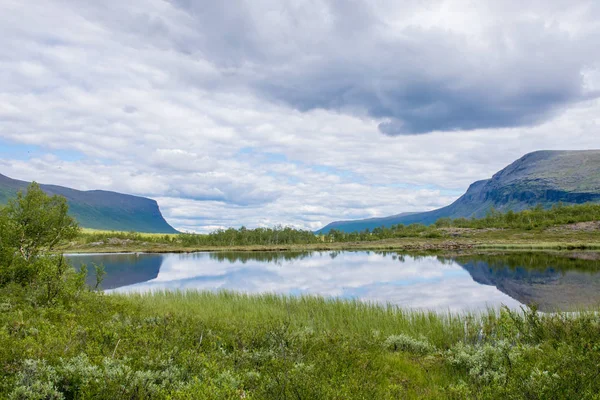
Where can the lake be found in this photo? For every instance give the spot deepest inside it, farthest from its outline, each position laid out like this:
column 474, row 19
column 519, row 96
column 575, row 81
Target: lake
column 553, row 282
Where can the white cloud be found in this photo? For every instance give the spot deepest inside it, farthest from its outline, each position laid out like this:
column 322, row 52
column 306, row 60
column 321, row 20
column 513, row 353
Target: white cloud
column 206, row 118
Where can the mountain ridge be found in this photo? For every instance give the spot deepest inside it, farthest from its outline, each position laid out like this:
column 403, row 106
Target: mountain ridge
column 543, row 177
column 100, row 209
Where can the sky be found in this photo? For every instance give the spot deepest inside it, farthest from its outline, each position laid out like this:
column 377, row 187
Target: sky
column 299, row 113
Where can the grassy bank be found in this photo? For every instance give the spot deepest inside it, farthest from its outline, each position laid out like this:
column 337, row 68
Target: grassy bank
column 561, row 227
column 231, row 346
column 60, row 340
column 560, row 237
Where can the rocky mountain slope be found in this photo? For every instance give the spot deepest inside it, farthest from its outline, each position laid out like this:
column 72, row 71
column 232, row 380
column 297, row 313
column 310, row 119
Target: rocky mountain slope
column 543, row 177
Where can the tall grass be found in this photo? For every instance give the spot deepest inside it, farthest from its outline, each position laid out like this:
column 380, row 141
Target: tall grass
column 203, row 345
column 350, row 316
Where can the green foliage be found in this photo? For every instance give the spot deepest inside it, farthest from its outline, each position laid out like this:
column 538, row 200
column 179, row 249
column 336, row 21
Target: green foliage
column 194, row 345
column 32, row 225
column 225, row 237
column 528, row 220
column 531, row 355
column 243, row 237
column 35, row 222
column 408, row 344
column 535, row 218
column 78, row 377
column 382, row 233
column 198, row 345
column 213, row 346
column 531, row 261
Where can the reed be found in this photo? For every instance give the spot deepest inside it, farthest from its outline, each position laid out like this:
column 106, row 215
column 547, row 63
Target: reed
column 227, row 345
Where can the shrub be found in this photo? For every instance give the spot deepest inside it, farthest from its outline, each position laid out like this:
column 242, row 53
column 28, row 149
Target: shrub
column 30, row 227
column 78, row 377
column 408, row 344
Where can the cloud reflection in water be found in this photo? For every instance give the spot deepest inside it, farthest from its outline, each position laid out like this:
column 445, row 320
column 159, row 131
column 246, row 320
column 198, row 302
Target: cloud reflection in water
column 412, row 282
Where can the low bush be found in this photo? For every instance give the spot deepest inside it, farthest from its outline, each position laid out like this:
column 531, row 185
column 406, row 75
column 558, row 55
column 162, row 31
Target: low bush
column 408, row 344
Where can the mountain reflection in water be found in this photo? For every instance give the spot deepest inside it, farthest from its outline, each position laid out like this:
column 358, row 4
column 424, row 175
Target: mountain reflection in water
column 551, row 281
column 121, row 269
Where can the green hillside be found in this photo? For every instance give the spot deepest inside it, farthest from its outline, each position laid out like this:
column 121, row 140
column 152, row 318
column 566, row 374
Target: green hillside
column 543, row 177
column 99, row 209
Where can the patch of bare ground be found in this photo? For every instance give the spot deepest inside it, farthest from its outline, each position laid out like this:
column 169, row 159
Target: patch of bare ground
column 452, row 231
column 447, row 245
column 590, row 226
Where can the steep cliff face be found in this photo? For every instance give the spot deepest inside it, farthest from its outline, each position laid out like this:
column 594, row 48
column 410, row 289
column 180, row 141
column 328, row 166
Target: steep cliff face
column 543, row 177
column 99, row 209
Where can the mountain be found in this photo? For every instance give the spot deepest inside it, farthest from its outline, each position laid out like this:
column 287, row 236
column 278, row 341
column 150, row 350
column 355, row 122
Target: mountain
column 362, row 224
column 542, row 177
column 99, row 209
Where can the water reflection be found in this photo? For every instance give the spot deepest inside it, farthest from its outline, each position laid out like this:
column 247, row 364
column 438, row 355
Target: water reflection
column 264, row 256
column 428, row 282
column 550, row 281
column 121, row 269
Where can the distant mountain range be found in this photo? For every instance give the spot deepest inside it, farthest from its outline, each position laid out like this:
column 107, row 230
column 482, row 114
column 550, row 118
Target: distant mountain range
column 99, row 209
column 542, row 177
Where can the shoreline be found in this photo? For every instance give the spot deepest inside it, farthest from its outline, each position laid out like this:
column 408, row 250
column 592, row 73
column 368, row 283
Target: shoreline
column 400, row 246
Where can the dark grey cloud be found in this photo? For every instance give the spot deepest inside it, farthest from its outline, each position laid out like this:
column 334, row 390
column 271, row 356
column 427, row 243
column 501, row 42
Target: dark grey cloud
column 347, row 57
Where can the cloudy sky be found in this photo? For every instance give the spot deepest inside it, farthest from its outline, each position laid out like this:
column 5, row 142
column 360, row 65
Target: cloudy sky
column 264, row 112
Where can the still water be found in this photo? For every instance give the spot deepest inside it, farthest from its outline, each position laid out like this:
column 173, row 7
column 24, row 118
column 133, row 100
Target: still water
column 552, row 282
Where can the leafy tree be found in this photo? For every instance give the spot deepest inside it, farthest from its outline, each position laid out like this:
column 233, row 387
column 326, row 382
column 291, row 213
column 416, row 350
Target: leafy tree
column 31, row 226
column 443, row 222
column 38, row 222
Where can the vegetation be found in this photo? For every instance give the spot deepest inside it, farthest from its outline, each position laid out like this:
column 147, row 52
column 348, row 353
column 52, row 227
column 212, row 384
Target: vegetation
column 542, row 177
column 221, row 238
column 30, row 227
column 62, row 340
column 201, row 345
column 534, row 218
column 533, row 261
column 536, row 228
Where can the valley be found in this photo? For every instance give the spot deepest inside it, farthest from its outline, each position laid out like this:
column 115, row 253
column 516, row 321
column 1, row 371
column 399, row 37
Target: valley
column 466, row 306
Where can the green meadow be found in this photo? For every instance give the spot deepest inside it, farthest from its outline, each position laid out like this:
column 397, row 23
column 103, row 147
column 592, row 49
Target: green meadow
column 196, row 345
column 61, row 339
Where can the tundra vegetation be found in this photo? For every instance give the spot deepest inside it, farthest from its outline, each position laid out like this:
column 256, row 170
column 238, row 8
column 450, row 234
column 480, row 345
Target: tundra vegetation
column 556, row 228
column 60, row 339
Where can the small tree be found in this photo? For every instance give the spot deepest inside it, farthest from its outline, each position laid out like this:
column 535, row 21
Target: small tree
column 38, row 222
column 31, row 226
column 443, row 222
